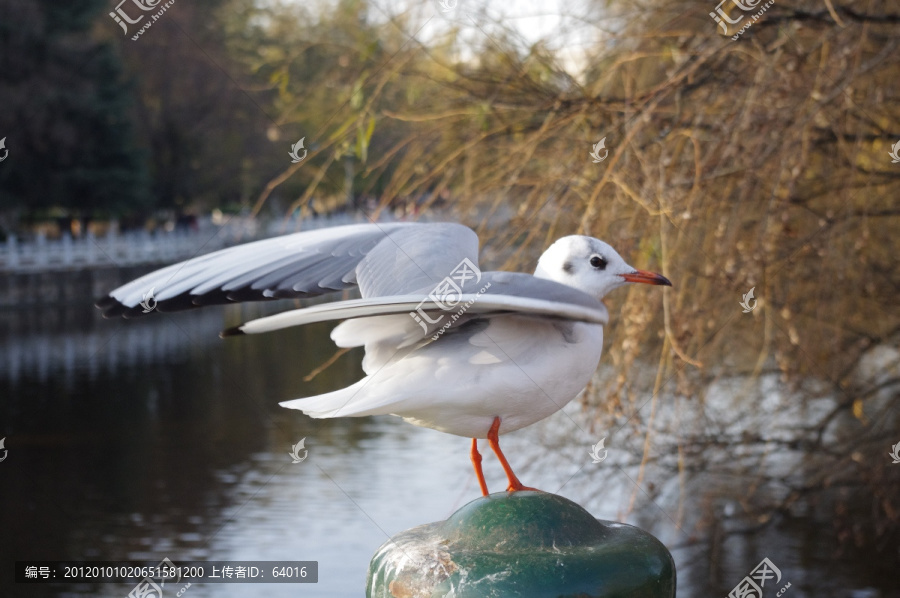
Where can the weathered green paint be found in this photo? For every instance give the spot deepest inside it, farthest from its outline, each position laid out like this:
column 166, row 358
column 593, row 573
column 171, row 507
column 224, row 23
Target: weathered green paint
column 522, row 544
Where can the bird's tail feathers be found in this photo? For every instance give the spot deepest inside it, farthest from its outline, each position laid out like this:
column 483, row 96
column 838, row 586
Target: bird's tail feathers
column 346, row 402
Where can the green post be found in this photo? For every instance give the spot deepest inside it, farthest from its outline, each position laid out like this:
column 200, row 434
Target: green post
column 522, row 544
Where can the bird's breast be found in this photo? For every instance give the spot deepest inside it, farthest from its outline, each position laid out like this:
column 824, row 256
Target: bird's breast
column 544, row 366
column 521, row 369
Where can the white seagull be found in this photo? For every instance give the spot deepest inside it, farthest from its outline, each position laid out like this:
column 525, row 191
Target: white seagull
column 471, row 353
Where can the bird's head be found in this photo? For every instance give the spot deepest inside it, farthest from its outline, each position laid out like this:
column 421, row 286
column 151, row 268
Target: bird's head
column 590, row 265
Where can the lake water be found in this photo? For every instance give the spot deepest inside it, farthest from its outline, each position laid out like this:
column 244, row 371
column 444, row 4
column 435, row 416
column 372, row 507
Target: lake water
column 153, row 438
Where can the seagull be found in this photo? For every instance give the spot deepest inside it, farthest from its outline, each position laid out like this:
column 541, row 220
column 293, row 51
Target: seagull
column 447, row 346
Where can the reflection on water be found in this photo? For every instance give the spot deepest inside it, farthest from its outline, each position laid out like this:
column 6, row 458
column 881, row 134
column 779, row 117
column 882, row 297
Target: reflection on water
column 149, row 438
column 152, row 438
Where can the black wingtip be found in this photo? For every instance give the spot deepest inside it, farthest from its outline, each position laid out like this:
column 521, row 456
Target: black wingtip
column 110, row 307
column 235, row 331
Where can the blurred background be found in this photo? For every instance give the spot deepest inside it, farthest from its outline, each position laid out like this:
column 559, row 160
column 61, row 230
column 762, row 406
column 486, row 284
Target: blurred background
column 749, row 412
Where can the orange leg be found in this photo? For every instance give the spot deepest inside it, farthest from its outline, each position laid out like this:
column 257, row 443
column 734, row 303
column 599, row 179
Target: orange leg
column 476, row 463
column 514, row 484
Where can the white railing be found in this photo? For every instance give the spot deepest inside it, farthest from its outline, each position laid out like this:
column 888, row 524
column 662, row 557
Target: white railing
column 141, row 247
column 126, row 249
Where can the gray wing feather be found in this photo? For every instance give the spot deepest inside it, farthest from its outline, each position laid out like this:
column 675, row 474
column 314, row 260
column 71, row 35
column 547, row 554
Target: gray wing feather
column 412, row 258
column 506, row 293
column 519, row 284
column 384, row 258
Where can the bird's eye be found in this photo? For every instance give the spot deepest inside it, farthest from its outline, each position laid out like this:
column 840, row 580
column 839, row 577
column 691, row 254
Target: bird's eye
column 598, row 262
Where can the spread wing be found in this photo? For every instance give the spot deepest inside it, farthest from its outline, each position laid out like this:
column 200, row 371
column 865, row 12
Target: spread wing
column 500, row 293
column 383, row 259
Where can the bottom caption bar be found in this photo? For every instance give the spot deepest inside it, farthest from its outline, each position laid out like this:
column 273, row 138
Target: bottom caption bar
column 154, row 576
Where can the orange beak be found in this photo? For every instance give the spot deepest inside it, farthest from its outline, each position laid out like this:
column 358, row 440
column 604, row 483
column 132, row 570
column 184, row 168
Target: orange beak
column 647, row 278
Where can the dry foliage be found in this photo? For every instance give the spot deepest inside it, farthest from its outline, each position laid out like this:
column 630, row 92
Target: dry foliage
column 761, row 162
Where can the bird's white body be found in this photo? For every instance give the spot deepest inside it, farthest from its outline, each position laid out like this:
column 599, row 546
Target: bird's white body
column 520, row 369
column 515, row 352
column 558, row 371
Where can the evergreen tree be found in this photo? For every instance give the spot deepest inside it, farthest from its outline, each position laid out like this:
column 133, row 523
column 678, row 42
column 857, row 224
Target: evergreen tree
column 66, row 114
